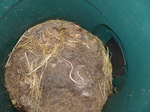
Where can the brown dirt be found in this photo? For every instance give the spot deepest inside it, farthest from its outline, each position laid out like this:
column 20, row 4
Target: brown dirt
column 57, row 66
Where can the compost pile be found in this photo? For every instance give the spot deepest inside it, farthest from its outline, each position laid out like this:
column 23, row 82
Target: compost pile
column 57, row 66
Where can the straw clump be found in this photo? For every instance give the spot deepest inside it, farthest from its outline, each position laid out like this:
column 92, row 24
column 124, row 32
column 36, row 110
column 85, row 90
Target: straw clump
column 57, row 66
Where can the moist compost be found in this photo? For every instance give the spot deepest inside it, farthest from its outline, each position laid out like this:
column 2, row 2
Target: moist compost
column 58, row 66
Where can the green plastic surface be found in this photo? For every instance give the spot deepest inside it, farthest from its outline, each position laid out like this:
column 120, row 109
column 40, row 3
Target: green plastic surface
column 130, row 20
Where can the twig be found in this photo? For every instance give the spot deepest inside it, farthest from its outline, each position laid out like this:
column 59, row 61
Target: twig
column 27, row 61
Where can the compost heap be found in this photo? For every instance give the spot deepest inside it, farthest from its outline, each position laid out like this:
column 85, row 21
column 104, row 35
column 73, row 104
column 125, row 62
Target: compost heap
column 57, row 66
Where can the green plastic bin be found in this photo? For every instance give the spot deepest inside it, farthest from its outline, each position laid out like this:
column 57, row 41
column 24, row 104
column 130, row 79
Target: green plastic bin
column 127, row 21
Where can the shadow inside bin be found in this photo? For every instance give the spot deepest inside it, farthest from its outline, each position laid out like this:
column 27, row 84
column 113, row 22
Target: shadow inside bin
column 117, row 54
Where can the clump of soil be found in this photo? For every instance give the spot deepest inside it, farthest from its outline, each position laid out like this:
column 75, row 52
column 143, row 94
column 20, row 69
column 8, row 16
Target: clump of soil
column 57, row 66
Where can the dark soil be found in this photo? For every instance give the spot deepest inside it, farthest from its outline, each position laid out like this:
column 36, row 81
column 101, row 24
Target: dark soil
column 58, row 67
